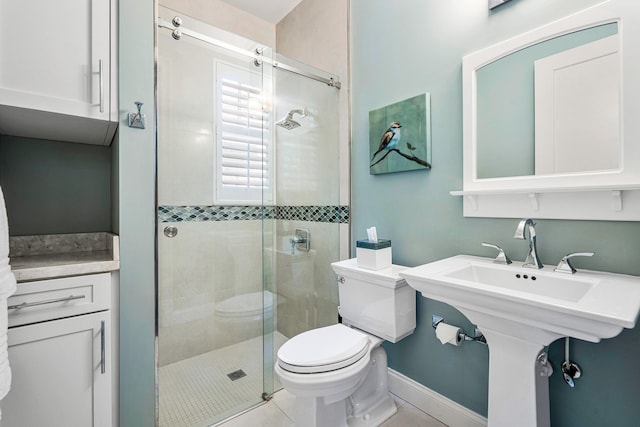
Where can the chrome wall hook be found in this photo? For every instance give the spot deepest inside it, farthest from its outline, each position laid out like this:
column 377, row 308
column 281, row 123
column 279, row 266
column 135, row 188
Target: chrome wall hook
column 137, row 120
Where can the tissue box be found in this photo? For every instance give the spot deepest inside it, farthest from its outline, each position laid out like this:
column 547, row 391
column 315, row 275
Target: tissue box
column 373, row 255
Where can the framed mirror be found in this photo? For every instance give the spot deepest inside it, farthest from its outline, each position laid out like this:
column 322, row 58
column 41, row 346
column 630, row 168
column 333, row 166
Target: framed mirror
column 551, row 122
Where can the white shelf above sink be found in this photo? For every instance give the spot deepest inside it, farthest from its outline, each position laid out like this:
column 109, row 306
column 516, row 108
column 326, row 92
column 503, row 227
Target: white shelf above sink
column 619, row 203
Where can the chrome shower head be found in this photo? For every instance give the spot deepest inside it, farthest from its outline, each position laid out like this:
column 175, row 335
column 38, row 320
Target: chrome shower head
column 288, row 123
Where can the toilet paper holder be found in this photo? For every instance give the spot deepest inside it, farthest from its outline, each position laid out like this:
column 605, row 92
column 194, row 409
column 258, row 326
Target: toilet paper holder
column 477, row 337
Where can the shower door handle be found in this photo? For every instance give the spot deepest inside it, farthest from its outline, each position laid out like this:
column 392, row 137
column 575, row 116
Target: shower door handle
column 170, row 231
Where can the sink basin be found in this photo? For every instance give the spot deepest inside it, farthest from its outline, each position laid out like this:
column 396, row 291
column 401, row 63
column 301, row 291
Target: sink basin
column 522, row 310
column 588, row 305
column 515, row 280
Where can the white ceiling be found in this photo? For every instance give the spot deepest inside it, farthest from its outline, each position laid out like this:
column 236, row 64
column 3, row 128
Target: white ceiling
column 270, row 10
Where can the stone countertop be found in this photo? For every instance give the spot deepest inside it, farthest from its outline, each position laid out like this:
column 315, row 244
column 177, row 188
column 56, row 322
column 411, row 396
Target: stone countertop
column 60, row 255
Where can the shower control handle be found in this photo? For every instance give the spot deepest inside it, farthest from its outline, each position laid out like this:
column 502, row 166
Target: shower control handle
column 302, row 237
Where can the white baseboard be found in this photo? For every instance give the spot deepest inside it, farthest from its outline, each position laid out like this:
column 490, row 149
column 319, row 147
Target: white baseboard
column 439, row 407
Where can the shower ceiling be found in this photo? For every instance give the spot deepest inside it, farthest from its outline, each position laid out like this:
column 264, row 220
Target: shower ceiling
column 271, row 11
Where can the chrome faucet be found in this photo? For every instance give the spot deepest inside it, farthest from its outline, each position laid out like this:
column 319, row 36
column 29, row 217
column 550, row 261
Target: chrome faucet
column 532, row 260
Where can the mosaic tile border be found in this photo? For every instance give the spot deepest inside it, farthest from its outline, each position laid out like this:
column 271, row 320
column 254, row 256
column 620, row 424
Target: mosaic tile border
column 337, row 214
column 331, row 214
column 214, row 213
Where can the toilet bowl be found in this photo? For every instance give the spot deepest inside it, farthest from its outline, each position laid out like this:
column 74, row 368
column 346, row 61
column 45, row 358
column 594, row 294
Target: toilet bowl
column 338, row 373
column 243, row 316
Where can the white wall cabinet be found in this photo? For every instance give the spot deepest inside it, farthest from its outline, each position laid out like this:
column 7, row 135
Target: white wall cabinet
column 57, row 69
column 61, row 366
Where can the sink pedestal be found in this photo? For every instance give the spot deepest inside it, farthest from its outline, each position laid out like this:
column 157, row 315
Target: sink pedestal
column 518, row 388
column 520, row 311
column 518, row 383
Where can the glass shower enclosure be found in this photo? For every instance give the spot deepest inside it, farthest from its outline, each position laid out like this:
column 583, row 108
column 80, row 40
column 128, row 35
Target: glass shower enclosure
column 248, row 216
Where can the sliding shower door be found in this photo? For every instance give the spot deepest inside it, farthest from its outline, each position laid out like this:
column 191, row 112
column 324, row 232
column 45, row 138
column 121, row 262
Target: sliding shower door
column 215, row 186
column 248, row 216
column 302, row 238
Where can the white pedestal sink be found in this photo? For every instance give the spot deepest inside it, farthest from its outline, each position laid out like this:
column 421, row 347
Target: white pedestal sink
column 522, row 310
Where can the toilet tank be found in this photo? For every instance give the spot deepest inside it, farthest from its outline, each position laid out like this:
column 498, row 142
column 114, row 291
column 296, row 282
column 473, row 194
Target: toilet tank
column 376, row 301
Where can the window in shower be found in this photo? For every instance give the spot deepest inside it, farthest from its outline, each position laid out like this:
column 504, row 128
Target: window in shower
column 243, row 146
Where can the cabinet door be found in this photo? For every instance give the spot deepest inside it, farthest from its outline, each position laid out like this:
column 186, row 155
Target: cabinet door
column 54, row 56
column 61, row 375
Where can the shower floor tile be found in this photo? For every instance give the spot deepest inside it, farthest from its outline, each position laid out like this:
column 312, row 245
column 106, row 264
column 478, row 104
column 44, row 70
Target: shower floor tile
column 197, row 392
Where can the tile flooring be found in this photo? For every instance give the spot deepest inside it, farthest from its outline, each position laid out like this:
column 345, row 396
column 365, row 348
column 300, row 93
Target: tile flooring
column 196, row 392
column 279, row 413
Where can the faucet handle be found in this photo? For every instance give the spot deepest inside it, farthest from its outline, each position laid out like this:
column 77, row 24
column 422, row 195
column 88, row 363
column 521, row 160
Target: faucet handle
column 502, row 257
column 564, row 266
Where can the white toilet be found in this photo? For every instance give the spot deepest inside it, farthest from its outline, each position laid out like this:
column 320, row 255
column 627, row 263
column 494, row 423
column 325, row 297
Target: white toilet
column 338, row 373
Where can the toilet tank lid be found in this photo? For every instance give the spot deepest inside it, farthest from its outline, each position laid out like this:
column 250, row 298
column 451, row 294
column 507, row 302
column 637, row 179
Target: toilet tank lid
column 387, row 277
column 323, row 346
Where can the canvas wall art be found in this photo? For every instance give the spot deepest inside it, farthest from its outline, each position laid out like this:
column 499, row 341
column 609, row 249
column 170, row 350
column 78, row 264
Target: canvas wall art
column 400, row 136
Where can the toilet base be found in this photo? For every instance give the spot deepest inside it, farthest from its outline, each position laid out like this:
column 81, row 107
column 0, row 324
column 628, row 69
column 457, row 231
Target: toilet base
column 371, row 404
column 376, row 415
column 368, row 404
column 316, row 413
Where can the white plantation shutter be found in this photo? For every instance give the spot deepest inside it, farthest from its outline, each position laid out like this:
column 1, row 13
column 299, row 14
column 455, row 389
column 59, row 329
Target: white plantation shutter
column 243, row 146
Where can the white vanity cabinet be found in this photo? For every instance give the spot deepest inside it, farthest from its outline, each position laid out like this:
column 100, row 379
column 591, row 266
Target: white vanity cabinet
column 60, row 353
column 57, row 69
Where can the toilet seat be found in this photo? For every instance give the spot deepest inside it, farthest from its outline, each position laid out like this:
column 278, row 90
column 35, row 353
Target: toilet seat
column 323, row 350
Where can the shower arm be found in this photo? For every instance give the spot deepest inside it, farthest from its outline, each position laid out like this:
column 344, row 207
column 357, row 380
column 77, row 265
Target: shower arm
column 302, row 113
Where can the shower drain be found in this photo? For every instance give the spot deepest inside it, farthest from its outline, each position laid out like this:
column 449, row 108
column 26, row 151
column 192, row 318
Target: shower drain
column 236, row 375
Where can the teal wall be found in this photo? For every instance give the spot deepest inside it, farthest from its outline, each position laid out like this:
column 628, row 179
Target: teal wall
column 134, row 208
column 404, row 48
column 55, row 187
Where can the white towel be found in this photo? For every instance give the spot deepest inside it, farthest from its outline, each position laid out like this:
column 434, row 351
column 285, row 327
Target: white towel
column 4, row 229
column 7, row 288
column 7, row 279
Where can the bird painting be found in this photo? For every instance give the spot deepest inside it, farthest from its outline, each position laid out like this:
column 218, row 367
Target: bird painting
column 401, row 147
column 389, row 139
